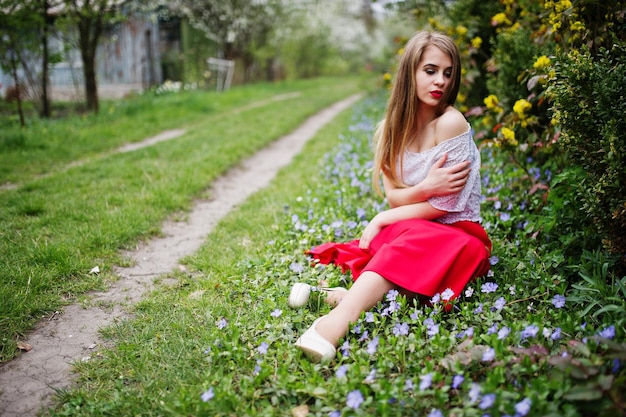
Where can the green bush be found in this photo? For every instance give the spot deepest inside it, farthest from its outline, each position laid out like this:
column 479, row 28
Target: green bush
column 588, row 102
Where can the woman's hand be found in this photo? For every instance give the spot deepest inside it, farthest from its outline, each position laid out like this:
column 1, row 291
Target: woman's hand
column 448, row 180
column 371, row 230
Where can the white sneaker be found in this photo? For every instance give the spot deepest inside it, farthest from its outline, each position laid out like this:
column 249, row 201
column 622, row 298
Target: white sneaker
column 301, row 292
column 314, row 346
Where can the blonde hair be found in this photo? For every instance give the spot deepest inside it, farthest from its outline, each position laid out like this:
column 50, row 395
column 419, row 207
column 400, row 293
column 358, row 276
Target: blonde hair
column 393, row 133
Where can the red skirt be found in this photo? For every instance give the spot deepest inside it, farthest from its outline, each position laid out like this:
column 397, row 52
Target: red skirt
column 421, row 256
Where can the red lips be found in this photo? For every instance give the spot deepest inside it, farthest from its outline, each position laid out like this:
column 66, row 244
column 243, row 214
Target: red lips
column 436, row 94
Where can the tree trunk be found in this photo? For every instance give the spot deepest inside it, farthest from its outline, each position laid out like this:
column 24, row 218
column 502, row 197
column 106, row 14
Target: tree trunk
column 16, row 80
column 89, row 34
column 45, row 105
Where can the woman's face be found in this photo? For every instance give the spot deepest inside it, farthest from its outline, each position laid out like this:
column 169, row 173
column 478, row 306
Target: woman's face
column 433, row 76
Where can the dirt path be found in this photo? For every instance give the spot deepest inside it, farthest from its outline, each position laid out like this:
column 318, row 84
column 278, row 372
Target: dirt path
column 28, row 383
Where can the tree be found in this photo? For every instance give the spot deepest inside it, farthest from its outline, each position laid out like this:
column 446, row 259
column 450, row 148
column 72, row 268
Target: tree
column 17, row 43
column 237, row 26
column 90, row 18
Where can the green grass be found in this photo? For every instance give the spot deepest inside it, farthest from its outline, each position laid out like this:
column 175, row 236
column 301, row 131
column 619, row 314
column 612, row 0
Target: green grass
column 55, row 228
column 224, row 329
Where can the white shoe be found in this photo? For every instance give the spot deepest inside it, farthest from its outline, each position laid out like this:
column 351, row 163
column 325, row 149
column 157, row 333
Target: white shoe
column 299, row 295
column 314, row 346
column 301, row 292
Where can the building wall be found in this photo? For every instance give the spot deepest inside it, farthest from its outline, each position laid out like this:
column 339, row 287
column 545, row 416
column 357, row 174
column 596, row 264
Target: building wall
column 128, row 59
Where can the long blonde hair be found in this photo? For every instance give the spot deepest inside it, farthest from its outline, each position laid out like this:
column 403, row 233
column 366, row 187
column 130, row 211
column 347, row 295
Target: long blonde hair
column 394, row 132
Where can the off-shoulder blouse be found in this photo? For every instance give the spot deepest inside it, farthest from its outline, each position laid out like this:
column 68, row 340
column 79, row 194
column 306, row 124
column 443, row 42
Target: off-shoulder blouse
column 463, row 205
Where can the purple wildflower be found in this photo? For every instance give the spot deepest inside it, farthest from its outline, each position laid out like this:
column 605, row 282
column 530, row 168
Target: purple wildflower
column 487, row 401
column 607, row 332
column 276, row 313
column 392, row 294
column 447, row 294
column 296, row 267
column 207, row 395
column 558, row 301
column 529, row 331
column 425, row 381
column 341, row 371
column 488, row 287
column 499, row 304
column 494, row 260
column 556, row 334
column 489, row 355
column 523, row 407
column 503, row 333
column 408, row 385
column 457, row 380
column 355, row 399
column 262, row 349
column 372, row 346
column 435, row 413
column 221, row 323
column 401, row 329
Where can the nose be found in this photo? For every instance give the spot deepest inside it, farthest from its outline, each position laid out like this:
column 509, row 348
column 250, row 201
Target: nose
column 439, row 79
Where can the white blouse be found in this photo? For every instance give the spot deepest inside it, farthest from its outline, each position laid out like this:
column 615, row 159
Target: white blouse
column 464, row 205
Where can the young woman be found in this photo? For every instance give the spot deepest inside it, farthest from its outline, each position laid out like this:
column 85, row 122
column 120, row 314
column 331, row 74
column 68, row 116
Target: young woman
column 430, row 239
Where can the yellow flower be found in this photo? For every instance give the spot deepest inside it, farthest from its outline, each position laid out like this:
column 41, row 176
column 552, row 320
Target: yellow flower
column 577, row 26
column 500, row 19
column 521, row 107
column 461, row 30
column 541, row 63
column 387, row 76
column 491, row 101
column 477, row 42
column 509, row 136
column 400, row 52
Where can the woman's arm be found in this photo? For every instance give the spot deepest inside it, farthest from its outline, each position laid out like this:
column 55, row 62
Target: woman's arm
column 439, row 181
column 421, row 210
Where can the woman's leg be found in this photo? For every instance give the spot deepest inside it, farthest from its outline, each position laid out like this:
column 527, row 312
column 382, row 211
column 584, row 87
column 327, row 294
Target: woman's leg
column 364, row 294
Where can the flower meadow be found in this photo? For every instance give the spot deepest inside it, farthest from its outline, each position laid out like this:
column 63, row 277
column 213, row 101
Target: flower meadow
column 512, row 344
column 218, row 340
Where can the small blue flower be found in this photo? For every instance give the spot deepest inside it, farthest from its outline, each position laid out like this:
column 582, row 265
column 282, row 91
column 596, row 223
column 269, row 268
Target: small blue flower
column 556, row 334
column 425, row 381
column 262, row 349
column 436, row 298
column 369, row 317
column 341, row 371
column 401, row 329
column 435, row 413
column 372, row 346
column 607, row 332
column 355, row 399
column 457, row 380
column 529, row 331
column 408, row 385
column 505, row 217
column 447, row 294
column 433, row 330
column 499, row 304
column 523, row 407
column 474, row 392
column 478, row 309
column 503, row 333
column 492, row 329
column 558, row 301
column 335, row 413
column 487, row 401
column 494, row 260
column 296, row 267
column 392, row 294
column 371, row 377
column 221, row 323
column 489, row 355
column 207, row 395
column 276, row 313
column 488, row 287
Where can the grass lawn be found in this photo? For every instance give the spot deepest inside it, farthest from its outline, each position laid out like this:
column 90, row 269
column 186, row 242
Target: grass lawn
column 219, row 342
column 62, row 220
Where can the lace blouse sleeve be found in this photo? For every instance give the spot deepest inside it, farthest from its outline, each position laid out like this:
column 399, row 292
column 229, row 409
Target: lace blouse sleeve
column 461, row 149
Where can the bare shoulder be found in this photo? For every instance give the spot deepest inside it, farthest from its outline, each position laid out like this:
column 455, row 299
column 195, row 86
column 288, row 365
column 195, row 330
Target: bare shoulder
column 450, row 124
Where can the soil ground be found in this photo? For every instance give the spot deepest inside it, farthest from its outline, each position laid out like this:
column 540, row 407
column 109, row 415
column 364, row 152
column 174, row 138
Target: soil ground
column 28, row 383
